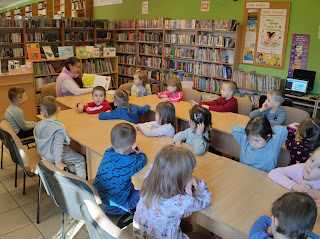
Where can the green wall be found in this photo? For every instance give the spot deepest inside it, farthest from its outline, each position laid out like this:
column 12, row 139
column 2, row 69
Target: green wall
column 19, row 5
column 304, row 19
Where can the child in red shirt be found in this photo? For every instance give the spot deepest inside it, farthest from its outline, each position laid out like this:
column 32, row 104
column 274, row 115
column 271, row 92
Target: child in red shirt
column 226, row 103
column 99, row 104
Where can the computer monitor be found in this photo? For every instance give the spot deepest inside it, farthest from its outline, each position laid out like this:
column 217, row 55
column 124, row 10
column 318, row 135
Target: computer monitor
column 296, row 85
column 305, row 75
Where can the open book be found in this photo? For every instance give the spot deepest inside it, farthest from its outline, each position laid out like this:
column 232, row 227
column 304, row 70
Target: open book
column 91, row 80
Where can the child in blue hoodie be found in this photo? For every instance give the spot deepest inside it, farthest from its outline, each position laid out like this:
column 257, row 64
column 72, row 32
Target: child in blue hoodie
column 124, row 110
column 53, row 141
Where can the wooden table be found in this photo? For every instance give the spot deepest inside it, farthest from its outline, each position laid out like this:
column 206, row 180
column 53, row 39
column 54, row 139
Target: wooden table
column 241, row 194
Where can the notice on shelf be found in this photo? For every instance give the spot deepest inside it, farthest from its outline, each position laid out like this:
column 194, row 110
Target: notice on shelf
column 97, row 3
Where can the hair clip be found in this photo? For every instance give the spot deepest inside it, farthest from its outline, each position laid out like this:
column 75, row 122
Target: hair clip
column 197, row 117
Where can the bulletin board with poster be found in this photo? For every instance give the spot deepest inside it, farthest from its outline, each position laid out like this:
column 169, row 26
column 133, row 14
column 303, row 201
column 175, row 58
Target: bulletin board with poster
column 265, row 39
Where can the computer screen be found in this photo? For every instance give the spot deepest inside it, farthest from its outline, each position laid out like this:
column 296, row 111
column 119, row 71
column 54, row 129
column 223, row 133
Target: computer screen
column 305, row 75
column 296, row 85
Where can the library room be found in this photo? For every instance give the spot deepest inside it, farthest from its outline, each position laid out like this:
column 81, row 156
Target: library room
column 99, row 96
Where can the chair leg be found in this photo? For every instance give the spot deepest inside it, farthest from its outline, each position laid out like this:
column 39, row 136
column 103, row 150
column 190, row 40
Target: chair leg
column 2, row 156
column 16, row 176
column 38, row 208
column 24, row 184
column 63, row 225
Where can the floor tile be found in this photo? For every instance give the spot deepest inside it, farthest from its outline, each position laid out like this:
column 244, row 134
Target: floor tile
column 9, row 183
column 13, row 220
column 47, row 209
column 9, row 172
column 51, row 227
column 82, row 234
column 30, row 196
column 7, row 203
column 21, row 233
column 3, row 189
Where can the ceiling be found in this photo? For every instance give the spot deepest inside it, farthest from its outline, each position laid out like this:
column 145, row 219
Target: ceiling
column 8, row 3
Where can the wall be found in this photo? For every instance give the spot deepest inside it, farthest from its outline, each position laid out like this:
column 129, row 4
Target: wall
column 20, row 5
column 303, row 20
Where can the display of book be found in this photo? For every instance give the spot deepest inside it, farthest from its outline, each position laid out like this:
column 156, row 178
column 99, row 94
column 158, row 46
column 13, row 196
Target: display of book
column 33, row 51
column 65, row 51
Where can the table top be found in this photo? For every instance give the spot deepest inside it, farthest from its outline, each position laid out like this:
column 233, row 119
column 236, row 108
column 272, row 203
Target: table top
column 241, row 194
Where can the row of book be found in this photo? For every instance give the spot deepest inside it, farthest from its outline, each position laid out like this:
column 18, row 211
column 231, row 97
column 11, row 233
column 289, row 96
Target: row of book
column 154, row 62
column 123, row 59
column 15, row 23
column 42, row 22
column 41, row 81
column 150, row 36
column 12, row 52
column 180, row 24
column 124, row 80
column 126, row 48
column 125, row 36
column 254, row 98
column 150, row 49
column 215, row 55
column 93, row 66
column 224, row 25
column 155, row 75
column 79, row 36
column 210, row 39
column 43, row 36
column 41, row 68
column 125, row 70
column 207, row 84
column 78, row 5
column 213, row 70
column 104, row 35
column 181, row 76
column 156, row 23
column 104, row 24
column 257, row 82
column 178, row 66
column 125, row 25
column 10, row 38
column 42, row 12
column 79, row 22
column 176, row 38
column 179, row 52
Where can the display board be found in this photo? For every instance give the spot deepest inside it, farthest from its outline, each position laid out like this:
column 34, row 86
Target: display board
column 264, row 38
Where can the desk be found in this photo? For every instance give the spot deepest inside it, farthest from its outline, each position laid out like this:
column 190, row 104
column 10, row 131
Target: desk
column 241, row 195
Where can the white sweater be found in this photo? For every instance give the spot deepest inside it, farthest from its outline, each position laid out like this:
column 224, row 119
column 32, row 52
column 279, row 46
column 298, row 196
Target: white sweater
column 161, row 130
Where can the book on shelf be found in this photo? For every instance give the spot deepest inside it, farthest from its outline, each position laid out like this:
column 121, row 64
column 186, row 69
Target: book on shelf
column 43, row 68
column 96, row 52
column 254, row 98
column 12, row 52
column 127, row 48
column 181, row 76
column 126, row 70
column 48, row 52
column 91, row 80
column 213, row 70
column 179, row 38
column 150, row 36
column 208, row 84
column 81, row 51
column 210, row 39
column 65, row 51
column 14, row 23
column 155, row 23
column 123, row 80
column 78, row 22
column 179, row 52
column 109, row 51
column 43, row 37
column 180, row 24
column 42, row 22
column 148, row 49
column 90, row 51
column 178, row 65
column 41, row 81
column 125, row 36
column 78, row 36
column 127, row 59
column 10, row 38
column 149, row 61
column 96, row 65
column 218, row 25
column 125, row 24
column 33, row 51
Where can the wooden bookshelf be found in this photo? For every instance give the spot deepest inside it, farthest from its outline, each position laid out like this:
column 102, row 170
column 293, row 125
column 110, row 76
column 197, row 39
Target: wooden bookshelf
column 45, row 8
column 62, row 8
column 82, row 8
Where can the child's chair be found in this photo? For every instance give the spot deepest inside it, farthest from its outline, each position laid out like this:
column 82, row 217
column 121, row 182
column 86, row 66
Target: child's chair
column 295, row 115
column 49, row 90
column 126, row 86
column 190, row 94
column 244, row 106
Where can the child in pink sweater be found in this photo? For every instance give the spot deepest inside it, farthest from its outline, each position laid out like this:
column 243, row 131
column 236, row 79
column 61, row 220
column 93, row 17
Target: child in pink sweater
column 303, row 177
column 174, row 93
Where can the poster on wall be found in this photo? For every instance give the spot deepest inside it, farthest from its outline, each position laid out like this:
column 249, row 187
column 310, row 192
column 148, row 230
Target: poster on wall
column 250, row 39
column 271, row 36
column 205, row 4
column 299, row 52
column 97, row 3
column 145, row 7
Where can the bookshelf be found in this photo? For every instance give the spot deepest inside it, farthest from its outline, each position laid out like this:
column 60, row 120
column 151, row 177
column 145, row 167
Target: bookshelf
column 79, row 31
column 47, row 71
column 19, row 12
column 45, row 8
column 61, row 8
column 82, row 8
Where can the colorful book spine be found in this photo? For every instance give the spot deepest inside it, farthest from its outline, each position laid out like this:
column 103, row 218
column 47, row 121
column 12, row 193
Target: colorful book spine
column 218, row 25
column 41, row 81
column 150, row 49
column 178, row 66
column 125, row 36
column 181, row 76
column 125, row 70
column 209, row 39
column 94, row 66
column 126, row 48
column 124, row 59
column 155, row 23
column 178, row 38
column 150, row 37
column 179, row 52
column 208, row 84
column 147, row 61
column 180, row 24
column 213, row 70
column 125, row 25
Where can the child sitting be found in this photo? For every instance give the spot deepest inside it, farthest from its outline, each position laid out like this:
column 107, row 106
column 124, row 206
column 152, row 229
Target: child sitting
column 293, row 217
column 271, row 108
column 15, row 116
column 53, row 141
column 119, row 164
column 303, row 177
column 302, row 140
column 169, row 193
column 259, row 149
column 124, row 110
column 174, row 93
column 198, row 134
column 99, row 104
column 226, row 103
column 164, row 124
column 140, row 87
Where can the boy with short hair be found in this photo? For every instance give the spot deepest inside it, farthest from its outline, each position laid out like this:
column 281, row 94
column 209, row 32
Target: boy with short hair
column 99, row 104
column 293, row 217
column 272, row 109
column 226, row 103
column 119, row 164
column 53, row 141
column 15, row 116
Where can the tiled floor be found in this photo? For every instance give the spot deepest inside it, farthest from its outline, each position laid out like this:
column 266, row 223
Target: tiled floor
column 18, row 212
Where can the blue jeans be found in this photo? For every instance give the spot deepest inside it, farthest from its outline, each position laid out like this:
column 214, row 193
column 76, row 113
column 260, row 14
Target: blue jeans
column 130, row 204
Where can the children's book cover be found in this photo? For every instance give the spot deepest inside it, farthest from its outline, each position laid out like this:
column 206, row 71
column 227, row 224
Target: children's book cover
column 90, row 51
column 65, row 51
column 109, row 51
column 34, row 51
column 91, row 80
column 96, row 52
column 48, row 51
column 81, row 51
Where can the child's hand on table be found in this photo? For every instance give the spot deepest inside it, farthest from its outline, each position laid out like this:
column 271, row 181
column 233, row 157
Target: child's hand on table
column 192, row 183
column 80, row 108
column 193, row 103
column 301, row 187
